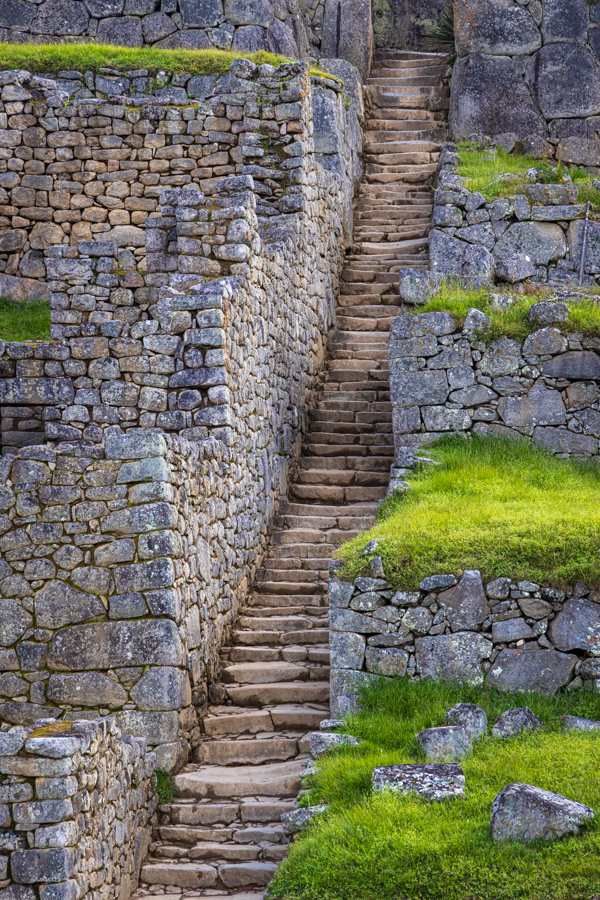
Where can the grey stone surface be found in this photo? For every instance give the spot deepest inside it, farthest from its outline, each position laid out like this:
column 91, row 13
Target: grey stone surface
column 466, row 604
column 453, row 657
column 348, row 32
column 321, row 742
column 565, row 80
column 344, row 686
column 546, row 671
column 86, row 689
column 108, row 644
column 577, row 627
column 432, row 781
column 299, row 819
column 540, row 407
column 514, row 721
column 58, row 604
column 498, row 28
column 577, row 365
column 522, row 812
column 449, row 742
column 386, row 661
column 577, row 723
column 541, row 241
column 469, row 716
column 419, row 388
column 347, row 650
column 547, row 313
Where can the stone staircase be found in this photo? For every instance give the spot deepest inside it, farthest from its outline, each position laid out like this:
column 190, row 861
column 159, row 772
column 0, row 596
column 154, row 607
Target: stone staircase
column 222, row 835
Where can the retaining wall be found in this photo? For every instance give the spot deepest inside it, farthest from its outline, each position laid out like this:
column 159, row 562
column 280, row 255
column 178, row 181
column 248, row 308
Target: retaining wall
column 529, row 68
column 456, row 628
column 77, row 803
column 185, row 352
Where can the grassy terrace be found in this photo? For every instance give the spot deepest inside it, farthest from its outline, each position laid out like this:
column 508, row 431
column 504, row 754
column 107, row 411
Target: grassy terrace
column 506, row 508
column 513, row 321
column 24, row 321
column 55, row 58
column 389, row 847
column 483, row 169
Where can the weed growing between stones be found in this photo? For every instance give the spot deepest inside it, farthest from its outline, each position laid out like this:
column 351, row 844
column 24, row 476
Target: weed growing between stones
column 24, row 321
column 509, row 312
column 165, row 789
column 384, row 846
column 504, row 507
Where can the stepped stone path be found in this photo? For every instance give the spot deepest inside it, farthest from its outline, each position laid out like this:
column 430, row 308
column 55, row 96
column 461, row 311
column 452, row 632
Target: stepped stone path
column 222, row 835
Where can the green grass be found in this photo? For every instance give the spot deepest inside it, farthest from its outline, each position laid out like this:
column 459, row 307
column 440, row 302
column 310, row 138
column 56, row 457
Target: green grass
column 24, row 321
column 513, row 322
column 482, row 170
column 165, row 787
column 391, row 847
column 504, row 507
column 54, row 58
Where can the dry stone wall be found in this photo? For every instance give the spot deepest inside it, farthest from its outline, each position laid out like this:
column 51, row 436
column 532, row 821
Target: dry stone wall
column 185, row 348
column 443, row 379
column 531, row 68
column 77, row 802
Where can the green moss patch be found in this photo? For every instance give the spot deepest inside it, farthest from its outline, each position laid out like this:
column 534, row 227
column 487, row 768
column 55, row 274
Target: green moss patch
column 513, row 321
column 391, row 847
column 504, row 507
column 24, row 321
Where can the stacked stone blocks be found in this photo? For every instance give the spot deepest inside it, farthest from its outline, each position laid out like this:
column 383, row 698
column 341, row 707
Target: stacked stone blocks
column 76, row 803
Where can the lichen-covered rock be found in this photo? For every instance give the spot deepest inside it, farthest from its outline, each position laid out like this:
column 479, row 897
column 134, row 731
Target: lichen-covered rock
column 466, row 604
column 547, row 313
column 497, row 27
column 453, row 657
column 445, row 743
column 565, row 80
column 546, row 671
column 577, row 627
column 299, row 819
column 522, row 812
column 432, row 781
column 321, row 742
column 514, row 721
column 469, row 716
column 577, row 723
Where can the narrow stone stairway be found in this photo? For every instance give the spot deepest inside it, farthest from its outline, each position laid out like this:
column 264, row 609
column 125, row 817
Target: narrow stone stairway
column 222, row 835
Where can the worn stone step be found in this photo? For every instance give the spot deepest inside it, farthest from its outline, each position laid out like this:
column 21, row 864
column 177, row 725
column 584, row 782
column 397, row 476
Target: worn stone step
column 280, row 780
column 246, row 752
column 263, row 672
column 283, row 692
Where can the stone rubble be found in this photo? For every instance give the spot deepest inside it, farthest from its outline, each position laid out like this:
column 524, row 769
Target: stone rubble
column 521, row 812
column 448, row 742
column 432, row 781
column 514, row 722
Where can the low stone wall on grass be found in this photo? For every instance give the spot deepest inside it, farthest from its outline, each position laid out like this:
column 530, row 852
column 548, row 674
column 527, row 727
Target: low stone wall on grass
column 456, row 628
column 443, row 379
column 77, row 803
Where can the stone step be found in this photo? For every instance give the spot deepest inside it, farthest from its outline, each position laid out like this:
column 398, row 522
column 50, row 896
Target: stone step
column 263, row 672
column 279, row 780
column 199, row 875
column 281, row 692
column 246, row 752
column 271, row 637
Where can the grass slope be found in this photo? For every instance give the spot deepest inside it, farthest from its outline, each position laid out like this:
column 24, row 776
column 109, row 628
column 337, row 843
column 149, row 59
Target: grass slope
column 482, row 169
column 505, row 507
column 388, row 847
column 512, row 322
column 24, row 321
column 54, row 58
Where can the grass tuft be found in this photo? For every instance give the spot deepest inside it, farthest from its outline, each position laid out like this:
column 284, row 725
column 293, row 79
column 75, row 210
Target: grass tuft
column 165, row 787
column 483, row 168
column 512, row 322
column 390, row 847
column 51, row 59
column 504, row 507
column 24, row 321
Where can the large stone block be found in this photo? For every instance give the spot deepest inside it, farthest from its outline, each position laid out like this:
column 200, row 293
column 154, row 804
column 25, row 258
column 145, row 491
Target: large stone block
column 386, row 661
column 564, row 20
column 466, row 604
column 117, row 644
column 543, row 242
column 546, row 671
column 577, row 365
column 432, row 781
column 36, row 391
column 156, row 727
column 453, row 657
column 565, row 81
column 348, row 33
column 164, row 687
column 560, row 440
column 539, row 407
column 502, row 357
column 406, row 328
column 14, row 621
column 426, row 388
column 33, row 866
column 446, row 254
column 58, row 604
column 577, row 627
column 496, row 27
column 344, row 688
column 347, row 650
column 86, row 689
column 489, row 96
column 591, row 263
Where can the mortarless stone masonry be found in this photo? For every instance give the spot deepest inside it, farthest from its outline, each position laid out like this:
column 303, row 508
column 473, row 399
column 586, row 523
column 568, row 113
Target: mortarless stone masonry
column 77, row 803
column 187, row 340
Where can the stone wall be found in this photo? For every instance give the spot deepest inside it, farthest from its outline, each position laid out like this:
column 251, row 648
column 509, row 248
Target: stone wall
column 187, row 343
column 537, row 235
column 443, row 379
column 296, row 29
column 405, row 24
column 512, row 636
column 77, row 802
column 531, row 68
